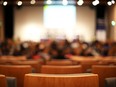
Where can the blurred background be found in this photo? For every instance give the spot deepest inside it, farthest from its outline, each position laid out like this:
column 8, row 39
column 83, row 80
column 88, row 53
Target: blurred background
column 58, row 27
column 42, row 19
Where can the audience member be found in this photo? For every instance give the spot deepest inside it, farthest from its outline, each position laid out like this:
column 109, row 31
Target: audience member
column 57, row 49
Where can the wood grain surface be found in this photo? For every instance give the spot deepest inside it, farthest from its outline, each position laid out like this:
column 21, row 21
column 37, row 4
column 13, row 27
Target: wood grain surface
column 16, row 71
column 51, row 69
column 3, row 82
column 103, row 72
column 61, row 80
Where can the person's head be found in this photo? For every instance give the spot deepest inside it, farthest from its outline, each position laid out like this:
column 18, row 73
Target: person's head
column 76, row 48
column 66, row 50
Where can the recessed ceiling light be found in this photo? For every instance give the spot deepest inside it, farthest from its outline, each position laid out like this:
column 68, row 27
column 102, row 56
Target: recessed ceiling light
column 5, row 3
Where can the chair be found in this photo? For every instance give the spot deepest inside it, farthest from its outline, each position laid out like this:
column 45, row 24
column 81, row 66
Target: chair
column 87, row 65
column 60, row 62
column 14, row 58
column 6, row 60
column 3, row 82
column 86, row 62
column 16, row 71
column 11, row 81
column 104, row 72
column 61, row 80
column 51, row 69
column 108, row 61
column 110, row 82
column 34, row 64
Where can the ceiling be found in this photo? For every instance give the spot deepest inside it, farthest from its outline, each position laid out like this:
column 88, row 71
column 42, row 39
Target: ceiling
column 86, row 2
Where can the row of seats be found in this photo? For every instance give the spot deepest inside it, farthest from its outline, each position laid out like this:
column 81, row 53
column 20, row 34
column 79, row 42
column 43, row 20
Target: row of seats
column 59, row 67
column 74, row 60
column 102, row 71
column 86, row 63
column 109, row 82
column 55, row 80
column 20, row 71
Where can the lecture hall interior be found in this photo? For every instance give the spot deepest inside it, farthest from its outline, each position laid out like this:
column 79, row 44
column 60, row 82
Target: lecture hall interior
column 57, row 43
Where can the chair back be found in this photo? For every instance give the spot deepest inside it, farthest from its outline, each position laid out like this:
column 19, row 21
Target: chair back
column 104, row 72
column 61, row 80
column 16, row 71
column 50, row 69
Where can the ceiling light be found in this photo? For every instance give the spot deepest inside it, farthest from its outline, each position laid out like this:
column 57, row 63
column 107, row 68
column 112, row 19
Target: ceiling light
column 96, row 2
column 5, row 3
column 65, row 2
column 109, row 3
column 113, row 2
column 113, row 23
column 32, row 2
column 19, row 3
column 80, row 2
column 49, row 2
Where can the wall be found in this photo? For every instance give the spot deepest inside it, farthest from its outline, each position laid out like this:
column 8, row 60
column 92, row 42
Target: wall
column 86, row 23
column 115, row 21
column 33, row 16
column 111, row 17
column 1, row 24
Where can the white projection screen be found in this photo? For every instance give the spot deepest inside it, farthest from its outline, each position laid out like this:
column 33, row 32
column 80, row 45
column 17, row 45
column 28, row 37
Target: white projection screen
column 59, row 16
column 60, row 20
column 54, row 21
